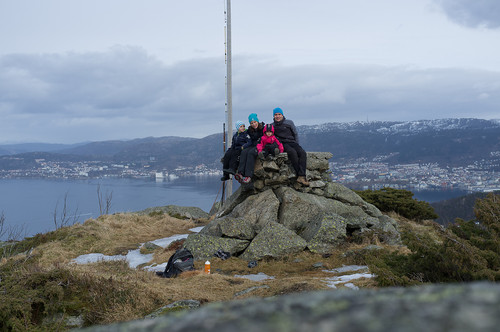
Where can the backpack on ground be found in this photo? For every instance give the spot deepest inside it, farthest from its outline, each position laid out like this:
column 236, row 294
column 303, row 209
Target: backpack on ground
column 182, row 260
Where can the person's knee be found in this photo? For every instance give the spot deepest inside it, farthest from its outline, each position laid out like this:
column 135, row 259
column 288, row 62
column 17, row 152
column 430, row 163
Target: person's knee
column 292, row 152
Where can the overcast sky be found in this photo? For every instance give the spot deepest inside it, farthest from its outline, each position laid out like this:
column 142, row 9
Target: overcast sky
column 93, row 70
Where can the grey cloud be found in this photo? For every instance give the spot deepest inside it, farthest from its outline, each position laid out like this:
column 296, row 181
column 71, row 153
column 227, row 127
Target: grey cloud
column 473, row 14
column 318, row 94
column 124, row 93
column 125, row 78
column 123, row 87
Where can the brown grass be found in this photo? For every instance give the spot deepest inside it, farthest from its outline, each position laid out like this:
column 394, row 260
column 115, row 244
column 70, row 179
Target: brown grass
column 427, row 227
column 110, row 235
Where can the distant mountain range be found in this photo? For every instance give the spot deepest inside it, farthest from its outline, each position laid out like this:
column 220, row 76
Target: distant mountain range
column 406, row 127
column 9, row 149
column 449, row 142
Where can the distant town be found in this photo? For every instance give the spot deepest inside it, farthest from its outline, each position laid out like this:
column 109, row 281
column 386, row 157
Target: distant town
column 359, row 174
column 376, row 174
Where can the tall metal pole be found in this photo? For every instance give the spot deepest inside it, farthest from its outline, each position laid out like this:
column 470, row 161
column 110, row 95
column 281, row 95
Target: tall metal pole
column 223, row 151
column 229, row 98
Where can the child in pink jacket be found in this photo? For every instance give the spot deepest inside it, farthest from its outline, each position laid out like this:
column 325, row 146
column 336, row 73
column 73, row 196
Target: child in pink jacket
column 269, row 144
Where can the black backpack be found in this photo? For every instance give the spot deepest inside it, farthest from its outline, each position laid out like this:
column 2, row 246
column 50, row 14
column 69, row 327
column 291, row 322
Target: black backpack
column 182, row 260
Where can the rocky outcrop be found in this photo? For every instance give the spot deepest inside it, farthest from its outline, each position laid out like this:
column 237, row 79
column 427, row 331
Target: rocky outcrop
column 181, row 212
column 275, row 240
column 275, row 216
column 432, row 308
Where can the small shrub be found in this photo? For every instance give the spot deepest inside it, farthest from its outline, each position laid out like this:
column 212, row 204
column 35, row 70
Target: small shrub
column 17, row 247
column 483, row 233
column 436, row 255
column 175, row 245
column 156, row 213
column 177, row 215
column 487, row 212
column 399, row 201
column 31, row 294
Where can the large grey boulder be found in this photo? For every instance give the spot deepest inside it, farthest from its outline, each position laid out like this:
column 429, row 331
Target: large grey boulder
column 298, row 209
column 238, row 228
column 343, row 194
column 205, row 246
column 430, row 308
column 259, row 209
column 387, row 230
column 324, row 233
column 247, row 218
column 236, row 198
column 274, row 240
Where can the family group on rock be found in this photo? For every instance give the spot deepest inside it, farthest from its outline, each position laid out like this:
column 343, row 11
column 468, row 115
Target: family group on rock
column 264, row 141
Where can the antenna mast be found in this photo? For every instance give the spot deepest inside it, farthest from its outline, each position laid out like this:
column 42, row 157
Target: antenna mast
column 229, row 98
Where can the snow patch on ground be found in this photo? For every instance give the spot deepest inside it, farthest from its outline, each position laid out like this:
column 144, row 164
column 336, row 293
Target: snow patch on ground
column 348, row 268
column 255, row 277
column 134, row 258
column 345, row 280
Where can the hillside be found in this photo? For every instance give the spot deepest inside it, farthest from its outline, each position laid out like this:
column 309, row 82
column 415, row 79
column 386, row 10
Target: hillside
column 448, row 142
column 8, row 149
column 111, row 291
column 111, row 148
column 460, row 207
column 43, row 289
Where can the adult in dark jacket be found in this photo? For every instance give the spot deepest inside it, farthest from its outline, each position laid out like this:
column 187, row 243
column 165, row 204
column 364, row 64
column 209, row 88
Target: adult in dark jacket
column 231, row 157
column 249, row 153
column 286, row 132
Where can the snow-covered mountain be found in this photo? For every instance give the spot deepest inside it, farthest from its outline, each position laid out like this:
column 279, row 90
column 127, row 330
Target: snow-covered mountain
column 446, row 141
column 402, row 127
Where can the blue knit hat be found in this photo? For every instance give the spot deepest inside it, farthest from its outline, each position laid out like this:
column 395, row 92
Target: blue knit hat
column 253, row 117
column 277, row 110
column 239, row 124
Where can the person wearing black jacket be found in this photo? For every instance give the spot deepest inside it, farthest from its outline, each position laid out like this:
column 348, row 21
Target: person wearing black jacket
column 232, row 155
column 286, row 132
column 249, row 153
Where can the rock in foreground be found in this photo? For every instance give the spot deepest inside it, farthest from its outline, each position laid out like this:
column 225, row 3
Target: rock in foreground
column 444, row 307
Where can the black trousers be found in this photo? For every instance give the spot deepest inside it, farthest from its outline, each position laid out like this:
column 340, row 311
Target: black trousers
column 231, row 159
column 297, row 156
column 247, row 161
column 269, row 149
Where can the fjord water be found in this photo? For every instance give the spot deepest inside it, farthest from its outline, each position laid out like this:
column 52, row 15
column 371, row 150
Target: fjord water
column 31, row 203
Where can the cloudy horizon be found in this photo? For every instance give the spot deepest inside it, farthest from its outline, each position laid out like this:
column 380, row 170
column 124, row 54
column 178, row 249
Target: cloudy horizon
column 85, row 71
